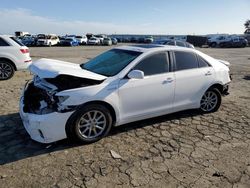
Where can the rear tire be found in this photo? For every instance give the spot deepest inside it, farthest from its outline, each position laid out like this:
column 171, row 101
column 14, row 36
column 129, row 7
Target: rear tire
column 6, row 70
column 90, row 124
column 210, row 101
column 213, row 45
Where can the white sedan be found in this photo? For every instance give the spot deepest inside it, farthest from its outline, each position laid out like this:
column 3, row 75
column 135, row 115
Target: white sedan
column 122, row 85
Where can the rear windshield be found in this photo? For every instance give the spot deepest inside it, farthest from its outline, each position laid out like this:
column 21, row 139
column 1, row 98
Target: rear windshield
column 17, row 41
column 111, row 62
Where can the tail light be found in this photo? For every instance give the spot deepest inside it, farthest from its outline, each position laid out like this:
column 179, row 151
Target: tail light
column 25, row 51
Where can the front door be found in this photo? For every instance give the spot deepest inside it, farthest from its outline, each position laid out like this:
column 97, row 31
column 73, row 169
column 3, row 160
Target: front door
column 151, row 96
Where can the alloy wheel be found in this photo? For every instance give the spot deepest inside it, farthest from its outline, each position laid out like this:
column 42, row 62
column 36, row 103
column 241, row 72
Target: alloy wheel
column 5, row 71
column 92, row 124
column 209, row 101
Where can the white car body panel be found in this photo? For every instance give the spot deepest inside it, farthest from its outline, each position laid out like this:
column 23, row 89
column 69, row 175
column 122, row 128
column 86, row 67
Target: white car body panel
column 131, row 99
column 187, row 94
column 143, row 92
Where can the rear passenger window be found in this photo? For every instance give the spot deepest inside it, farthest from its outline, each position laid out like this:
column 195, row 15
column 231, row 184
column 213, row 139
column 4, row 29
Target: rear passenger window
column 3, row 42
column 172, row 43
column 17, row 41
column 155, row 64
column 185, row 60
column 182, row 44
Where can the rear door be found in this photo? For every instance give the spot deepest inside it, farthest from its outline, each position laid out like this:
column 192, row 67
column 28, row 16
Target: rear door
column 193, row 76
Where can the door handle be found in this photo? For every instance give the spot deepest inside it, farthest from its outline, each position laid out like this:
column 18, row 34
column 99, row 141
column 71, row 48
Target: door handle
column 168, row 80
column 208, row 73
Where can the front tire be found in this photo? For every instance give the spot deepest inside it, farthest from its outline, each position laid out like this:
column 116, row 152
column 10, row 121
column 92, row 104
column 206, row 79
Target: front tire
column 6, row 70
column 210, row 101
column 90, row 124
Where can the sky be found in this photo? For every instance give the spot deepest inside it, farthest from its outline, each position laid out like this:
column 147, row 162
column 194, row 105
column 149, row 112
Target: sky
column 176, row 17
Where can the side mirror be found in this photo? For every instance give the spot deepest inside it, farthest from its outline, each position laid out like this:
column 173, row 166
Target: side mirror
column 136, row 74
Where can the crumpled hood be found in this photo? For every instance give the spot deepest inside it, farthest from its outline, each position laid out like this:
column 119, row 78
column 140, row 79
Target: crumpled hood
column 50, row 68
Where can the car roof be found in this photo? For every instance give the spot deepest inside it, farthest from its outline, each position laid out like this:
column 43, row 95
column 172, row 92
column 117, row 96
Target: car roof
column 7, row 36
column 152, row 47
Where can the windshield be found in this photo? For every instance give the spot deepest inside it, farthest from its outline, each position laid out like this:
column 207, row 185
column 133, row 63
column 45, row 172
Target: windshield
column 111, row 62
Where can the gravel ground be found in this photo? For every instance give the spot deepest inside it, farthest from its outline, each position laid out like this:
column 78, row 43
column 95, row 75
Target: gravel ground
column 184, row 149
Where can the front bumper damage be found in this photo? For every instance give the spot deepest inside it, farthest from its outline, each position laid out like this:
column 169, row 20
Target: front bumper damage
column 42, row 117
column 45, row 128
column 225, row 89
column 41, row 107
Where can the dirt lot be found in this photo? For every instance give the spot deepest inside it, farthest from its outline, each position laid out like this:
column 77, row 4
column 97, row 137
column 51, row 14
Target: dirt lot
column 184, row 149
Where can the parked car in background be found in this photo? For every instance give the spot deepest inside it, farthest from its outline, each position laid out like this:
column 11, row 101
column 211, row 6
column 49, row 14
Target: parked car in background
column 89, row 35
column 21, row 33
column 61, row 39
column 13, row 56
column 94, row 41
column 107, row 41
column 101, row 38
column 215, row 41
column 114, row 41
column 173, row 42
column 28, row 41
column 234, row 42
column 227, row 41
column 48, row 40
column 125, row 84
column 148, row 39
column 69, row 41
column 82, row 39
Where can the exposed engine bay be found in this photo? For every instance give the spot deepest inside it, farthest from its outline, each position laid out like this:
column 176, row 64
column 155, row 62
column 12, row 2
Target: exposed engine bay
column 40, row 94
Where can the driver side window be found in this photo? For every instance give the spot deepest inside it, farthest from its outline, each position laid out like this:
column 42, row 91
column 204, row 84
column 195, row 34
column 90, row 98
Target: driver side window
column 154, row 64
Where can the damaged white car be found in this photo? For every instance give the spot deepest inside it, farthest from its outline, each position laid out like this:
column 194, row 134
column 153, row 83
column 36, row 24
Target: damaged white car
column 122, row 85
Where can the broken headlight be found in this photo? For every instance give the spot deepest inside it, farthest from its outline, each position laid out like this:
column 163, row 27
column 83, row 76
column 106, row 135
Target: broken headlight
column 61, row 99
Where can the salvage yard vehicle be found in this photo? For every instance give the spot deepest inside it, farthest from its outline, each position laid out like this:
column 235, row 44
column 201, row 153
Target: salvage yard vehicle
column 173, row 42
column 114, row 41
column 28, row 41
column 107, row 41
column 125, row 84
column 13, row 56
column 69, row 41
column 48, row 40
column 234, row 42
column 227, row 41
column 82, row 39
column 149, row 39
column 100, row 37
column 94, row 41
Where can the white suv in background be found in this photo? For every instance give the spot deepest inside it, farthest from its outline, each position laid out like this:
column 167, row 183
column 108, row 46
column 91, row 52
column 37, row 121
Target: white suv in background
column 48, row 40
column 13, row 56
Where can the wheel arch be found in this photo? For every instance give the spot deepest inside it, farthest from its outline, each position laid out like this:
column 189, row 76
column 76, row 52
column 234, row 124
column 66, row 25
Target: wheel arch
column 96, row 102
column 10, row 61
column 218, row 86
